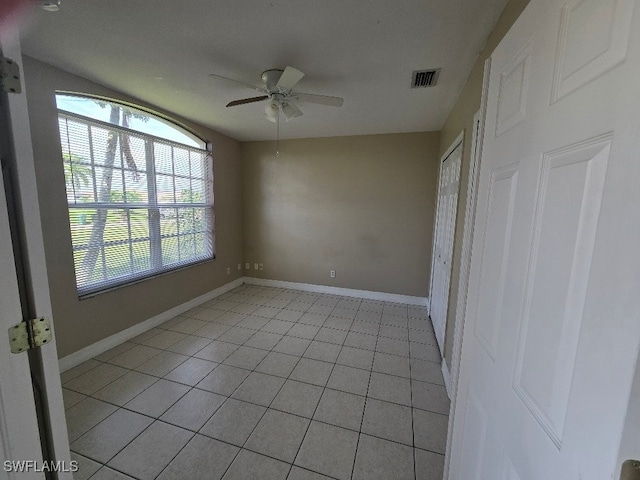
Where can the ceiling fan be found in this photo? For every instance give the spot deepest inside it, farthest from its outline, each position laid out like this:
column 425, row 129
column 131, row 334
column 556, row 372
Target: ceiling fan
column 278, row 89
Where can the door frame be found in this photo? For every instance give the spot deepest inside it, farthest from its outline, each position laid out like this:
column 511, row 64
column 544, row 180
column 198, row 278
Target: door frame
column 477, row 134
column 458, row 142
column 32, row 266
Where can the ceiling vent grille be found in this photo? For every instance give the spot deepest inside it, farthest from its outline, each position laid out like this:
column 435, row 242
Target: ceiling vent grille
column 424, row 78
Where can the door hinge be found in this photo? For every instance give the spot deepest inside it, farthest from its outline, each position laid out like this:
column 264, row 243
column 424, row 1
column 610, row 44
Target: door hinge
column 9, row 76
column 29, row 334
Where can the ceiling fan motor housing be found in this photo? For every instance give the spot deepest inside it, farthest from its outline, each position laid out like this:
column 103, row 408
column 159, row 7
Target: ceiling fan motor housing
column 270, row 79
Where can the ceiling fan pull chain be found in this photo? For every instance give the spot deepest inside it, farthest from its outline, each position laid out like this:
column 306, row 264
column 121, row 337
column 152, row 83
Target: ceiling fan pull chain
column 278, row 134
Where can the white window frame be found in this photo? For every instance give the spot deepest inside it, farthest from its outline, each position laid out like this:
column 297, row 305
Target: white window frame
column 153, row 206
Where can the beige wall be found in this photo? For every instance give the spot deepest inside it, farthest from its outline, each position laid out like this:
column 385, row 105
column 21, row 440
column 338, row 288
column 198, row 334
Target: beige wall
column 361, row 205
column 461, row 118
column 80, row 323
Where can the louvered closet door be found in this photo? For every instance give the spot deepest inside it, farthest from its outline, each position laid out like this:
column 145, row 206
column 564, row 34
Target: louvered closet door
column 553, row 315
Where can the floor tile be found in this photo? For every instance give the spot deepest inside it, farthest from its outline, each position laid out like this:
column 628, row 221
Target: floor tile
column 217, row 351
column 144, row 336
column 312, row 371
column 426, row 371
column 321, row 309
column 327, row 352
column 278, row 435
column 106, row 439
column 194, row 409
column 292, row 345
column 224, row 379
column 298, row 473
column 264, row 340
column 233, row 422
column 344, row 313
column 106, row 473
column 191, row 371
column 164, row 339
column 388, row 421
column 422, row 336
column 79, row 370
column 115, row 351
column 303, row 331
column 392, row 331
column 379, row 459
column 157, row 399
column 71, row 398
column 212, row 330
column 125, row 388
column 189, row 345
column 134, row 357
column 391, row 364
column 429, row 465
column 162, row 363
column 355, row 357
column 395, row 309
column 367, row 316
column 390, row 388
column 349, row 379
column 202, row 459
column 393, row 346
column 430, row 353
column 331, row 335
column 246, row 357
column 255, row 323
column 152, row 451
column 361, row 340
column 315, row 319
column 237, row 335
column 253, row 465
column 338, row 323
column 369, row 328
column 353, row 304
column 266, row 312
column 189, row 325
column 95, row 379
column 394, row 321
column 85, row 415
column 428, row 396
column 420, row 324
column 328, row 450
column 341, row 409
column 289, row 315
column 259, row 388
column 430, row 430
column 278, row 364
column 372, row 306
column 277, row 326
column 298, row 398
column 299, row 306
column 86, row 467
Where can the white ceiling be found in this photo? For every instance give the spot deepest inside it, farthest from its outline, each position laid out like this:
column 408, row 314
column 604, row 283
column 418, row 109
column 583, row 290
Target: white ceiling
column 162, row 51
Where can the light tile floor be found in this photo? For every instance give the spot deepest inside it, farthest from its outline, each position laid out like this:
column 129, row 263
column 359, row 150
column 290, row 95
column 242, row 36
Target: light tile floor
column 265, row 383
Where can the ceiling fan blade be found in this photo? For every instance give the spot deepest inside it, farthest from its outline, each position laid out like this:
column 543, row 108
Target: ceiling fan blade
column 289, row 78
column 253, row 87
column 319, row 99
column 247, row 100
column 289, row 110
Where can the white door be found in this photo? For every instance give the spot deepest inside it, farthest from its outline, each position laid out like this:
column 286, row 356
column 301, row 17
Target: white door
column 19, row 435
column 448, row 188
column 553, row 315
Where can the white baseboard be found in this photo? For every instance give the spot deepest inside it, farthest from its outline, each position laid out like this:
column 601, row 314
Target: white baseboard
column 447, row 377
column 108, row 343
column 347, row 292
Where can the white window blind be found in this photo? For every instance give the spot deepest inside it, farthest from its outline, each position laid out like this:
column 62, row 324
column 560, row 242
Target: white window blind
column 139, row 205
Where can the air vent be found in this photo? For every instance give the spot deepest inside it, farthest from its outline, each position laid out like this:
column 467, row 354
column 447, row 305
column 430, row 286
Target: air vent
column 424, row 78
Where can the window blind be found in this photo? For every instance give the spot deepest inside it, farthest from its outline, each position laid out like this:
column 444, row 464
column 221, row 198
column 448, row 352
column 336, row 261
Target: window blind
column 139, row 205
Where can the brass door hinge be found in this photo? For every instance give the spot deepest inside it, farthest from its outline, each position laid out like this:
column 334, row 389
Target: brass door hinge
column 9, row 76
column 29, row 334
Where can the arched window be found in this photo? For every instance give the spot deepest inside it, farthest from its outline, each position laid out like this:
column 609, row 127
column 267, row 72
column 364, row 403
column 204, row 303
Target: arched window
column 140, row 192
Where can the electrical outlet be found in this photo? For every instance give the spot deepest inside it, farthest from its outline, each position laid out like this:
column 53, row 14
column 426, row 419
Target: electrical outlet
column 247, row 266
column 239, row 266
column 228, row 270
column 261, row 267
column 255, row 266
column 332, row 274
